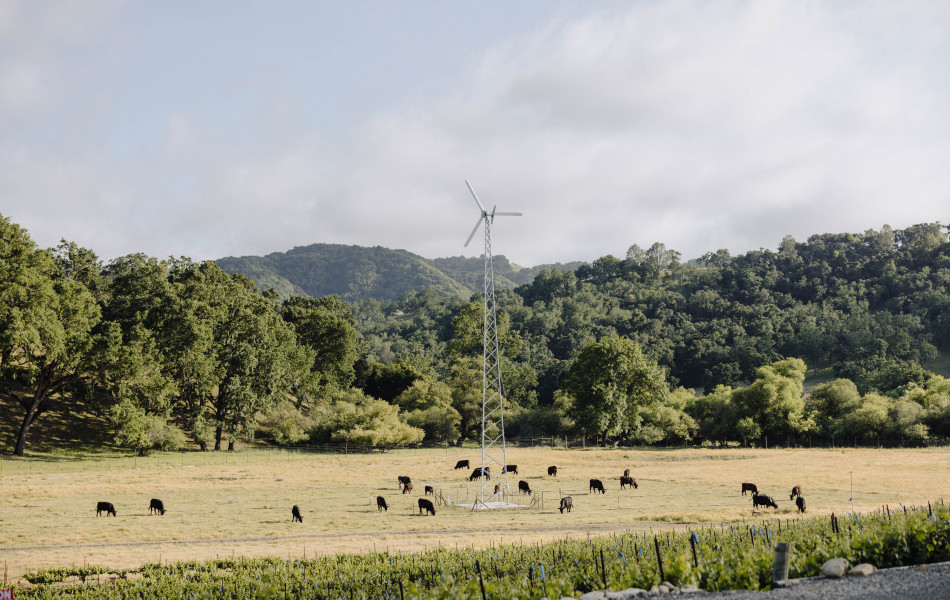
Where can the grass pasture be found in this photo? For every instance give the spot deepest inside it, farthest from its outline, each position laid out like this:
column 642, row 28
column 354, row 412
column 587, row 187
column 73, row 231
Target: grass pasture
column 223, row 504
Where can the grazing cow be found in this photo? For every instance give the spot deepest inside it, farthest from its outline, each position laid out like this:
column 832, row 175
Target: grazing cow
column 155, row 506
column 800, row 503
column 403, row 480
column 426, row 506
column 566, row 503
column 462, row 464
column 749, row 487
column 295, row 513
column 510, row 469
column 552, row 470
column 477, row 472
column 105, row 507
column 407, row 489
column 597, row 485
column 523, row 487
column 762, row 500
column 429, row 490
column 381, row 504
column 796, row 491
column 626, row 480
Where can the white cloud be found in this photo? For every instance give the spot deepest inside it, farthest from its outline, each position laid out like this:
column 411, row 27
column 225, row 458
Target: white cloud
column 19, row 87
column 699, row 124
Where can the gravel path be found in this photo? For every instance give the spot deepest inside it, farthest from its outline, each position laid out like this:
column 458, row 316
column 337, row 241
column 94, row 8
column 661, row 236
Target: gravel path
column 923, row 582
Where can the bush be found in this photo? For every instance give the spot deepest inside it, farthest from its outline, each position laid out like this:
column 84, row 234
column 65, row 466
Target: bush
column 284, row 424
column 136, row 429
column 358, row 419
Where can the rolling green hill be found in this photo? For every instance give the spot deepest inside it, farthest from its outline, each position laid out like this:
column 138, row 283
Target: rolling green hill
column 359, row 273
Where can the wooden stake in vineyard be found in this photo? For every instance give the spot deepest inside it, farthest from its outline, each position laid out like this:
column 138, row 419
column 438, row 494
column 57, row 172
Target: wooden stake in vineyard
column 659, row 559
column 481, row 580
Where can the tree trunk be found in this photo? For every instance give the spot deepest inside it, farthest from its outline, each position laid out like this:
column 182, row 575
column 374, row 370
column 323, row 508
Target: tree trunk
column 203, row 445
column 230, row 445
column 605, row 439
column 24, row 429
column 38, row 397
column 217, row 437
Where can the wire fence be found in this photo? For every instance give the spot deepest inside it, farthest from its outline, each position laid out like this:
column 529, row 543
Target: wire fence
column 194, row 457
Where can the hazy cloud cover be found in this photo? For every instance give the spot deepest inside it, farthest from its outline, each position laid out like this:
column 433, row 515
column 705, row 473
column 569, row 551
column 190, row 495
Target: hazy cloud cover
column 213, row 129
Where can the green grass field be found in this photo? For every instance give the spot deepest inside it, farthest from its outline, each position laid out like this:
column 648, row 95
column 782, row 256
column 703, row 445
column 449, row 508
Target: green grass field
column 224, row 504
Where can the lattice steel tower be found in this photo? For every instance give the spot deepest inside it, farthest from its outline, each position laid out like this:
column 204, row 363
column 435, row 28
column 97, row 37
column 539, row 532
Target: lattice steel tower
column 493, row 409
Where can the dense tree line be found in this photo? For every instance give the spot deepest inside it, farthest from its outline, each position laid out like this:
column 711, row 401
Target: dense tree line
column 644, row 349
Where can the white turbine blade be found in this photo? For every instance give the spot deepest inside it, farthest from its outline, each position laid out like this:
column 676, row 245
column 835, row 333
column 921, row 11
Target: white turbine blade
column 475, row 196
column 508, row 214
column 473, row 231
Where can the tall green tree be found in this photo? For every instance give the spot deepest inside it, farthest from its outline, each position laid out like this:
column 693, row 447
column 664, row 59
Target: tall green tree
column 466, row 385
column 611, row 380
column 46, row 323
column 428, row 406
column 775, row 400
column 325, row 325
column 190, row 347
column 252, row 346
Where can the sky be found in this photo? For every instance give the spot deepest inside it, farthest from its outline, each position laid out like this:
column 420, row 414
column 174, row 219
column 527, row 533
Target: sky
column 220, row 128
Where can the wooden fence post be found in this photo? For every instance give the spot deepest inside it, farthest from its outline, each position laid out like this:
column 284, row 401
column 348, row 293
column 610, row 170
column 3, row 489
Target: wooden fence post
column 783, row 551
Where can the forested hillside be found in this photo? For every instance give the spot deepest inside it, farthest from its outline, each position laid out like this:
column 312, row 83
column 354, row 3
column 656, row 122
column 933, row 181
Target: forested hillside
column 359, row 273
column 868, row 303
column 641, row 349
column 872, row 306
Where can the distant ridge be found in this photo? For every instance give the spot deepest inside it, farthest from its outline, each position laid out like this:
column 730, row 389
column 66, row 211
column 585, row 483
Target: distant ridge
column 360, row 273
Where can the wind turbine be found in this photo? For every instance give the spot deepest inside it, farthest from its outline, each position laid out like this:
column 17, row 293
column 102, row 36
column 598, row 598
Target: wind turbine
column 493, row 411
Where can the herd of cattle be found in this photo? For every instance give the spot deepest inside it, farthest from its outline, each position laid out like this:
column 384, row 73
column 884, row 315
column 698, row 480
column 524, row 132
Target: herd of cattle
column 567, row 503
column 763, row 500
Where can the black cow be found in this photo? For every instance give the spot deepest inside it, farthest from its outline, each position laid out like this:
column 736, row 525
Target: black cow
column 429, row 490
column 155, row 506
column 800, row 503
column 625, row 481
column 407, row 489
column 462, row 464
column 749, row 487
column 552, row 470
column 796, row 491
column 510, row 469
column 295, row 513
column 762, row 500
column 426, row 506
column 597, row 485
column 403, row 480
column 105, row 507
column 381, row 504
column 477, row 472
column 523, row 487
column 566, row 503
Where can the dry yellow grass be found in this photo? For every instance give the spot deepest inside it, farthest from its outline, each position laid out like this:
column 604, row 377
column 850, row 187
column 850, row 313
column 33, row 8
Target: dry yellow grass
column 221, row 504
